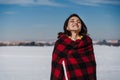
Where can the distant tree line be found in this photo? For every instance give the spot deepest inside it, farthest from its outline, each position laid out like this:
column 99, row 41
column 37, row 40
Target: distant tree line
column 27, row 44
column 104, row 42
column 33, row 43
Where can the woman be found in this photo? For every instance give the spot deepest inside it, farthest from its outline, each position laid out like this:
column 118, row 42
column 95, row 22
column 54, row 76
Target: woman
column 73, row 56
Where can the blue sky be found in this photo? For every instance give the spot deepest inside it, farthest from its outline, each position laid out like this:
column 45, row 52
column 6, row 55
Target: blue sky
column 42, row 19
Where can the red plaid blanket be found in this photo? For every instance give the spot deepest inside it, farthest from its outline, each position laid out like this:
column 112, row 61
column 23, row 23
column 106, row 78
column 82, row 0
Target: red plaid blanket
column 78, row 56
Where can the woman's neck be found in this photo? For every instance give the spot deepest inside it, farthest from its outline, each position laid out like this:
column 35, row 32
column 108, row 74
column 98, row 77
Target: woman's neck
column 74, row 35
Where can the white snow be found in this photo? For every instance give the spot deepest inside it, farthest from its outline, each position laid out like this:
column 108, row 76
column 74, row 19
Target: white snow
column 34, row 63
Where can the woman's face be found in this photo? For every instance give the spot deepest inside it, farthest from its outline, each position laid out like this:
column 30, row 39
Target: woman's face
column 74, row 24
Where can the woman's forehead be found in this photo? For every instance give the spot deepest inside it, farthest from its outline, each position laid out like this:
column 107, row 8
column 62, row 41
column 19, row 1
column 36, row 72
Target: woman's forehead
column 74, row 17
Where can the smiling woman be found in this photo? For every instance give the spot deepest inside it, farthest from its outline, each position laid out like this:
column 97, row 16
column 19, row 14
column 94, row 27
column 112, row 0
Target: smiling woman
column 73, row 55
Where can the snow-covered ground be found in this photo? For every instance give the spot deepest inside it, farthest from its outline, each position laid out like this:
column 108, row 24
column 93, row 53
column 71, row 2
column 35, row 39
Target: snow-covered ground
column 34, row 63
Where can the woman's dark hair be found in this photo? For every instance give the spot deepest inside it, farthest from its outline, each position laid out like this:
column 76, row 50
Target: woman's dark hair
column 83, row 30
